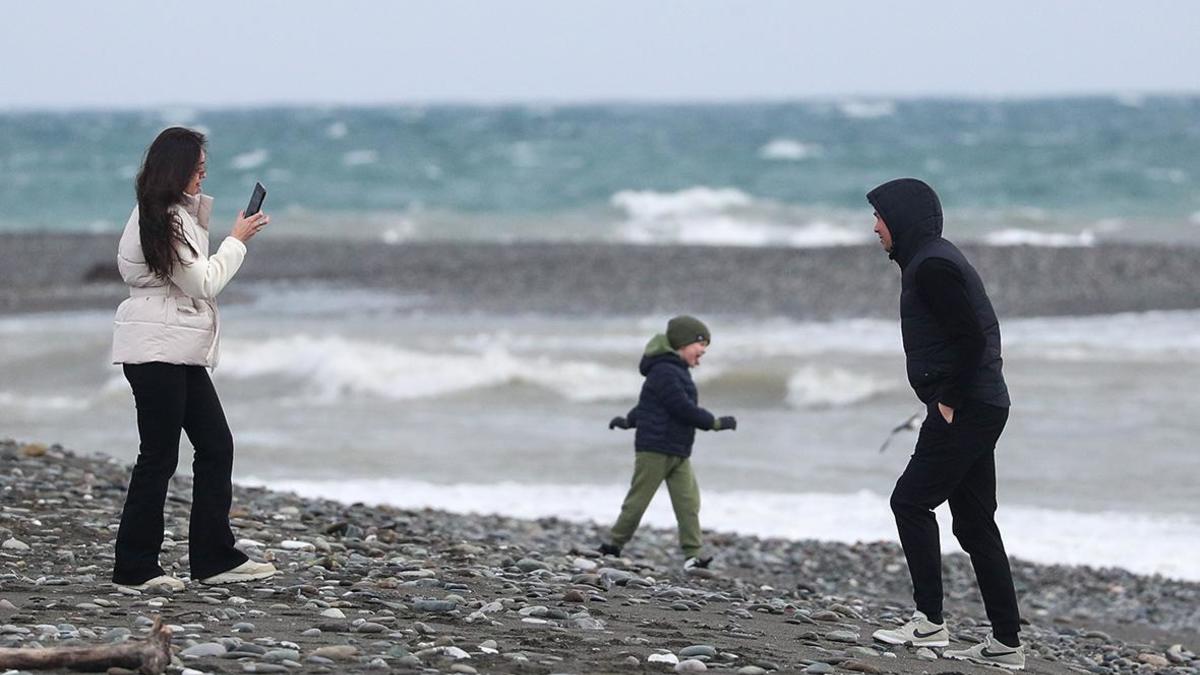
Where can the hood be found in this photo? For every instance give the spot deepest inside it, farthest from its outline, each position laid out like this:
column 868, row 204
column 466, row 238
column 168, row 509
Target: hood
column 658, row 350
column 912, row 212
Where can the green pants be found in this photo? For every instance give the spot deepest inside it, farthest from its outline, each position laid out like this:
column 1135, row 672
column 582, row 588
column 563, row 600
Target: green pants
column 650, row 469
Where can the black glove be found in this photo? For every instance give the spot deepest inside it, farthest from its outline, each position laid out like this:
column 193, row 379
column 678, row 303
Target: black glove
column 619, row 423
column 727, row 423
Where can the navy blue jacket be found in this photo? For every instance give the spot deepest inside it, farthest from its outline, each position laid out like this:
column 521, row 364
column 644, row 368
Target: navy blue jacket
column 667, row 415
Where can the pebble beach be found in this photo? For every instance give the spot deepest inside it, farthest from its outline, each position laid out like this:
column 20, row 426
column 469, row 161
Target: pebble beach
column 365, row 588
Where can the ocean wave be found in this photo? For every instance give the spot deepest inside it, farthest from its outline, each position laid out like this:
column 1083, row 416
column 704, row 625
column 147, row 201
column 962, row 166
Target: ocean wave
column 787, row 149
column 360, row 158
column 250, row 160
column 1021, row 237
column 815, row 386
column 18, row 401
column 333, row 367
column 1142, row 543
column 719, row 217
column 337, row 130
column 867, row 110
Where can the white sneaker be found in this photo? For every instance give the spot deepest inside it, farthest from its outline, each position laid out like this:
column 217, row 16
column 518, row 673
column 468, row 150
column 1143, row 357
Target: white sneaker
column 163, row 581
column 991, row 652
column 919, row 632
column 247, row 571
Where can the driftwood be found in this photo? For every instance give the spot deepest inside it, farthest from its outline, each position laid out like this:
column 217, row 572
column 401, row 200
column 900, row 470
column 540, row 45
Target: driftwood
column 150, row 656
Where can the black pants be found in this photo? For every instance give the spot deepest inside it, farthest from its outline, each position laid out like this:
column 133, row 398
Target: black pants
column 171, row 398
column 957, row 462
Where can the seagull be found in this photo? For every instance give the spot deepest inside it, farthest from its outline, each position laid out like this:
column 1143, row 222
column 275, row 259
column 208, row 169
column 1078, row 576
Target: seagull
column 911, row 424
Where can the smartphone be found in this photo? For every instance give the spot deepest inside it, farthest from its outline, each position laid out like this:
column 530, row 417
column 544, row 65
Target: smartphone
column 256, row 199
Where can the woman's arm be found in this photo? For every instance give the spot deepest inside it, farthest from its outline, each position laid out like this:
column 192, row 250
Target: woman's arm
column 204, row 278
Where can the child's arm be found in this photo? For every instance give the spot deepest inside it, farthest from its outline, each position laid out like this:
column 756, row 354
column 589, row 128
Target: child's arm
column 629, row 421
column 671, row 392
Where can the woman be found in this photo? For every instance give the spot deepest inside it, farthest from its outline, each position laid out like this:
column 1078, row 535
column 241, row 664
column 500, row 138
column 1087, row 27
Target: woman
column 166, row 336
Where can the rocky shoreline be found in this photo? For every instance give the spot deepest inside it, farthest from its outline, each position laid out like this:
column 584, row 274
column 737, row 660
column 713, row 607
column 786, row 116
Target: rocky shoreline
column 375, row 589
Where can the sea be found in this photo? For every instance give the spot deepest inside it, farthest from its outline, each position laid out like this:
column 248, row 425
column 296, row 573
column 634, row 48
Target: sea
column 363, row 392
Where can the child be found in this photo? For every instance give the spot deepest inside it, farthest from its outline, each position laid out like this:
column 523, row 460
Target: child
column 666, row 418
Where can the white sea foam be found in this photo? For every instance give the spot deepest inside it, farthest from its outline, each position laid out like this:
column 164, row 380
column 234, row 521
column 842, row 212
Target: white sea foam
column 360, row 158
column 718, row 217
column 332, row 367
column 815, row 386
column 18, row 401
column 788, row 149
column 866, row 110
column 250, row 160
column 337, row 130
column 1142, row 543
column 1020, row 237
column 650, row 205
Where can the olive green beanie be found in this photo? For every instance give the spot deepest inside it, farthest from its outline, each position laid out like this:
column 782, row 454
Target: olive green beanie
column 683, row 330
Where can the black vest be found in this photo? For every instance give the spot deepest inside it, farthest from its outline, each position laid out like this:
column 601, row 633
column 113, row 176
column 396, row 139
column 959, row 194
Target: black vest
column 928, row 351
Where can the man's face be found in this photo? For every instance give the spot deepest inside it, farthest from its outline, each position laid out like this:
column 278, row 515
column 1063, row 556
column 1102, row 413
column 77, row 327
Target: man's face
column 885, row 235
column 691, row 354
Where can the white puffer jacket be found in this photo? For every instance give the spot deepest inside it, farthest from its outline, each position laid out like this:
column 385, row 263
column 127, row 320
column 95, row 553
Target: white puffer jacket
column 174, row 321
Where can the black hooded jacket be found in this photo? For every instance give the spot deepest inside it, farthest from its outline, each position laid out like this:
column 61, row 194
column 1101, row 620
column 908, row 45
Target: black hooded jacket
column 951, row 333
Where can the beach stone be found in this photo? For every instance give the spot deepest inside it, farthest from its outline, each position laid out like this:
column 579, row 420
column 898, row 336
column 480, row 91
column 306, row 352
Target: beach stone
column 573, row 595
column 17, row 545
column 631, row 661
column 1156, row 660
column 243, row 627
column 371, row 627
column 927, row 654
column 862, row 651
column 842, row 636
column 861, row 667
column 282, row 655
column 698, row 650
column 7, row 606
column 751, row 670
column 333, row 613
column 311, row 632
column 463, row 668
column 33, row 449
column 296, row 545
column 531, row 565
column 378, row 664
column 1175, row 654
column 667, row 658
column 690, row 666
column 263, row 668
column 437, row 606
column 819, row 668
column 191, row 671
column 336, row 652
column 204, row 649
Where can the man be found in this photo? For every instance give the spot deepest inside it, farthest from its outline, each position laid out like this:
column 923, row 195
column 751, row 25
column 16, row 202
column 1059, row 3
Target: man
column 952, row 347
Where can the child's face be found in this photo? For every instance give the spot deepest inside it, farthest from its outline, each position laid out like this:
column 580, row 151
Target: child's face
column 691, row 354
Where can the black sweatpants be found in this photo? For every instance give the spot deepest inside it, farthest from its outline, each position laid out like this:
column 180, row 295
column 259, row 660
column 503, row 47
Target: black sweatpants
column 957, row 462
column 171, row 398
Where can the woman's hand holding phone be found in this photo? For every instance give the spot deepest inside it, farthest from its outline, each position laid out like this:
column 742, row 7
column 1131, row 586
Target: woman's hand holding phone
column 245, row 227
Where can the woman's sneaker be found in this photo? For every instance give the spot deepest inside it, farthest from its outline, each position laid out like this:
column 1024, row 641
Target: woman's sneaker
column 991, row 652
column 247, row 571
column 919, row 632
column 162, row 581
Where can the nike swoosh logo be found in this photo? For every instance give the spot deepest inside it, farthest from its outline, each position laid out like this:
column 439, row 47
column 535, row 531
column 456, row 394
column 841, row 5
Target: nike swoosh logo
column 919, row 634
column 992, row 655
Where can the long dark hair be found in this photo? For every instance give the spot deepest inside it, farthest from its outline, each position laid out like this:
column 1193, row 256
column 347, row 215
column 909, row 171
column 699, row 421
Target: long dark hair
column 170, row 163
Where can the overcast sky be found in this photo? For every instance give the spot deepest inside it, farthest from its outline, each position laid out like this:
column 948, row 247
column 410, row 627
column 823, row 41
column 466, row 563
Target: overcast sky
column 220, row 52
